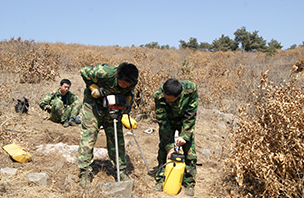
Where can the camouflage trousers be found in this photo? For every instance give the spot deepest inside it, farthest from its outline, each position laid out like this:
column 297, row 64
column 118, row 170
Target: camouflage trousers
column 90, row 125
column 190, row 161
column 60, row 112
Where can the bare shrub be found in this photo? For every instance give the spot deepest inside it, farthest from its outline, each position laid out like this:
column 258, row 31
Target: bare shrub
column 220, row 76
column 33, row 62
column 5, row 91
column 299, row 65
column 37, row 65
column 11, row 51
column 147, row 85
column 266, row 150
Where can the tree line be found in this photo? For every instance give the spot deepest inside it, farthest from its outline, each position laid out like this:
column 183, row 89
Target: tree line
column 244, row 40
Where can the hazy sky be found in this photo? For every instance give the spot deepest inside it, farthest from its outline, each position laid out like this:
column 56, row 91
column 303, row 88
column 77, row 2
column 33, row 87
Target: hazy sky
column 137, row 22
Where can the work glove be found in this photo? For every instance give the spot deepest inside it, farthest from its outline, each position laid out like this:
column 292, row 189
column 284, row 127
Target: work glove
column 96, row 91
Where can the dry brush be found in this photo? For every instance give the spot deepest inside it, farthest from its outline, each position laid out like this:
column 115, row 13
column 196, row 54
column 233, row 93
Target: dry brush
column 267, row 149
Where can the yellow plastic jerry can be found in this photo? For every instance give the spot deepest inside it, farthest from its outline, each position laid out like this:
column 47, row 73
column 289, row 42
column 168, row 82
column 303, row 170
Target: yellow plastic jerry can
column 126, row 123
column 174, row 173
column 17, row 153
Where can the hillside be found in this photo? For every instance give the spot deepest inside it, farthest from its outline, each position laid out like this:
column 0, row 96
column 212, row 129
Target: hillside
column 225, row 81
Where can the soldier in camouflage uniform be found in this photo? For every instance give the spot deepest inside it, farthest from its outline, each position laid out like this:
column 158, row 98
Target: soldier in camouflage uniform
column 62, row 104
column 111, row 80
column 175, row 107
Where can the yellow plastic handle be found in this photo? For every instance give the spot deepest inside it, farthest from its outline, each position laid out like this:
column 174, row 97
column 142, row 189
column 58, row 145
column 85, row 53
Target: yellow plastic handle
column 93, row 87
column 94, row 91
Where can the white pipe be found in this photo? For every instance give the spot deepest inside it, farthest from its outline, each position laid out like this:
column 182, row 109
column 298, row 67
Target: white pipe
column 116, row 149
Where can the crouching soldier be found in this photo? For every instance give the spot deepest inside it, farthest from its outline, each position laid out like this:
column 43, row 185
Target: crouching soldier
column 175, row 107
column 62, row 104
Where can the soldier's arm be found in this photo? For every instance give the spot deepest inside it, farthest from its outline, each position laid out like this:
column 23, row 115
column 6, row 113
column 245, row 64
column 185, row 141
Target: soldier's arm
column 190, row 117
column 88, row 74
column 165, row 134
column 74, row 99
column 45, row 102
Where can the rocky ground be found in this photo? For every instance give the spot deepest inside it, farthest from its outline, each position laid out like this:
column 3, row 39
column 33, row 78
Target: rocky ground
column 33, row 130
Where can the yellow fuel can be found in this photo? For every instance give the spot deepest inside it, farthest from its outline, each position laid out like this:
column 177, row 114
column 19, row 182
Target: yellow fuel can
column 126, row 123
column 174, row 173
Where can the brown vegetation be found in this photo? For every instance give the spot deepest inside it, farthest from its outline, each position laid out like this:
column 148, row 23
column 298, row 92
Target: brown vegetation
column 265, row 150
column 267, row 158
column 299, row 66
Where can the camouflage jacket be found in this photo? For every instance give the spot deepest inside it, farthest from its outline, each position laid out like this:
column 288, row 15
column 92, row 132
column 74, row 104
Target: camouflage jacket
column 46, row 101
column 104, row 76
column 182, row 110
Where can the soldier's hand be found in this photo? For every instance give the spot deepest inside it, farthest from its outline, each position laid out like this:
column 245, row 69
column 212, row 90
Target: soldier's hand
column 48, row 109
column 180, row 141
column 101, row 92
column 96, row 91
column 169, row 152
column 127, row 108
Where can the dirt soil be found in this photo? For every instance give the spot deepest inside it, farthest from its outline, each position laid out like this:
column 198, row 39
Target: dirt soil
column 34, row 129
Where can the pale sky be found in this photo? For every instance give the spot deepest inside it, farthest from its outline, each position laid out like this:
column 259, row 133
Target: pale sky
column 137, row 22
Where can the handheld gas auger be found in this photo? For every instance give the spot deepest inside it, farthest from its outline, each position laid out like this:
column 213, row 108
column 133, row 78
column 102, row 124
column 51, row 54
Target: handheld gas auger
column 116, row 105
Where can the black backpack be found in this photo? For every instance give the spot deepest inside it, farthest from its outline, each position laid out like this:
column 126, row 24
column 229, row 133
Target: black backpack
column 22, row 105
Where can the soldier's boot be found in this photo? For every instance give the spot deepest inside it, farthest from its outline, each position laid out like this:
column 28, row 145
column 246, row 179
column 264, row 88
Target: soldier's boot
column 86, row 178
column 124, row 177
column 72, row 122
column 189, row 191
column 158, row 186
column 65, row 124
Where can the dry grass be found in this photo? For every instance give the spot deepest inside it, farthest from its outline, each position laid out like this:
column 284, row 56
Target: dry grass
column 299, row 65
column 33, row 63
column 220, row 75
column 266, row 149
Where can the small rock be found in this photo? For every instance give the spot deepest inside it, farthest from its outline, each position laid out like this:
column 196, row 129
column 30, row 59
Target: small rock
column 118, row 189
column 7, row 170
column 128, row 143
column 129, row 133
column 222, row 125
column 206, row 152
column 228, row 118
column 69, row 152
column 149, row 130
column 39, row 178
column 58, row 165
